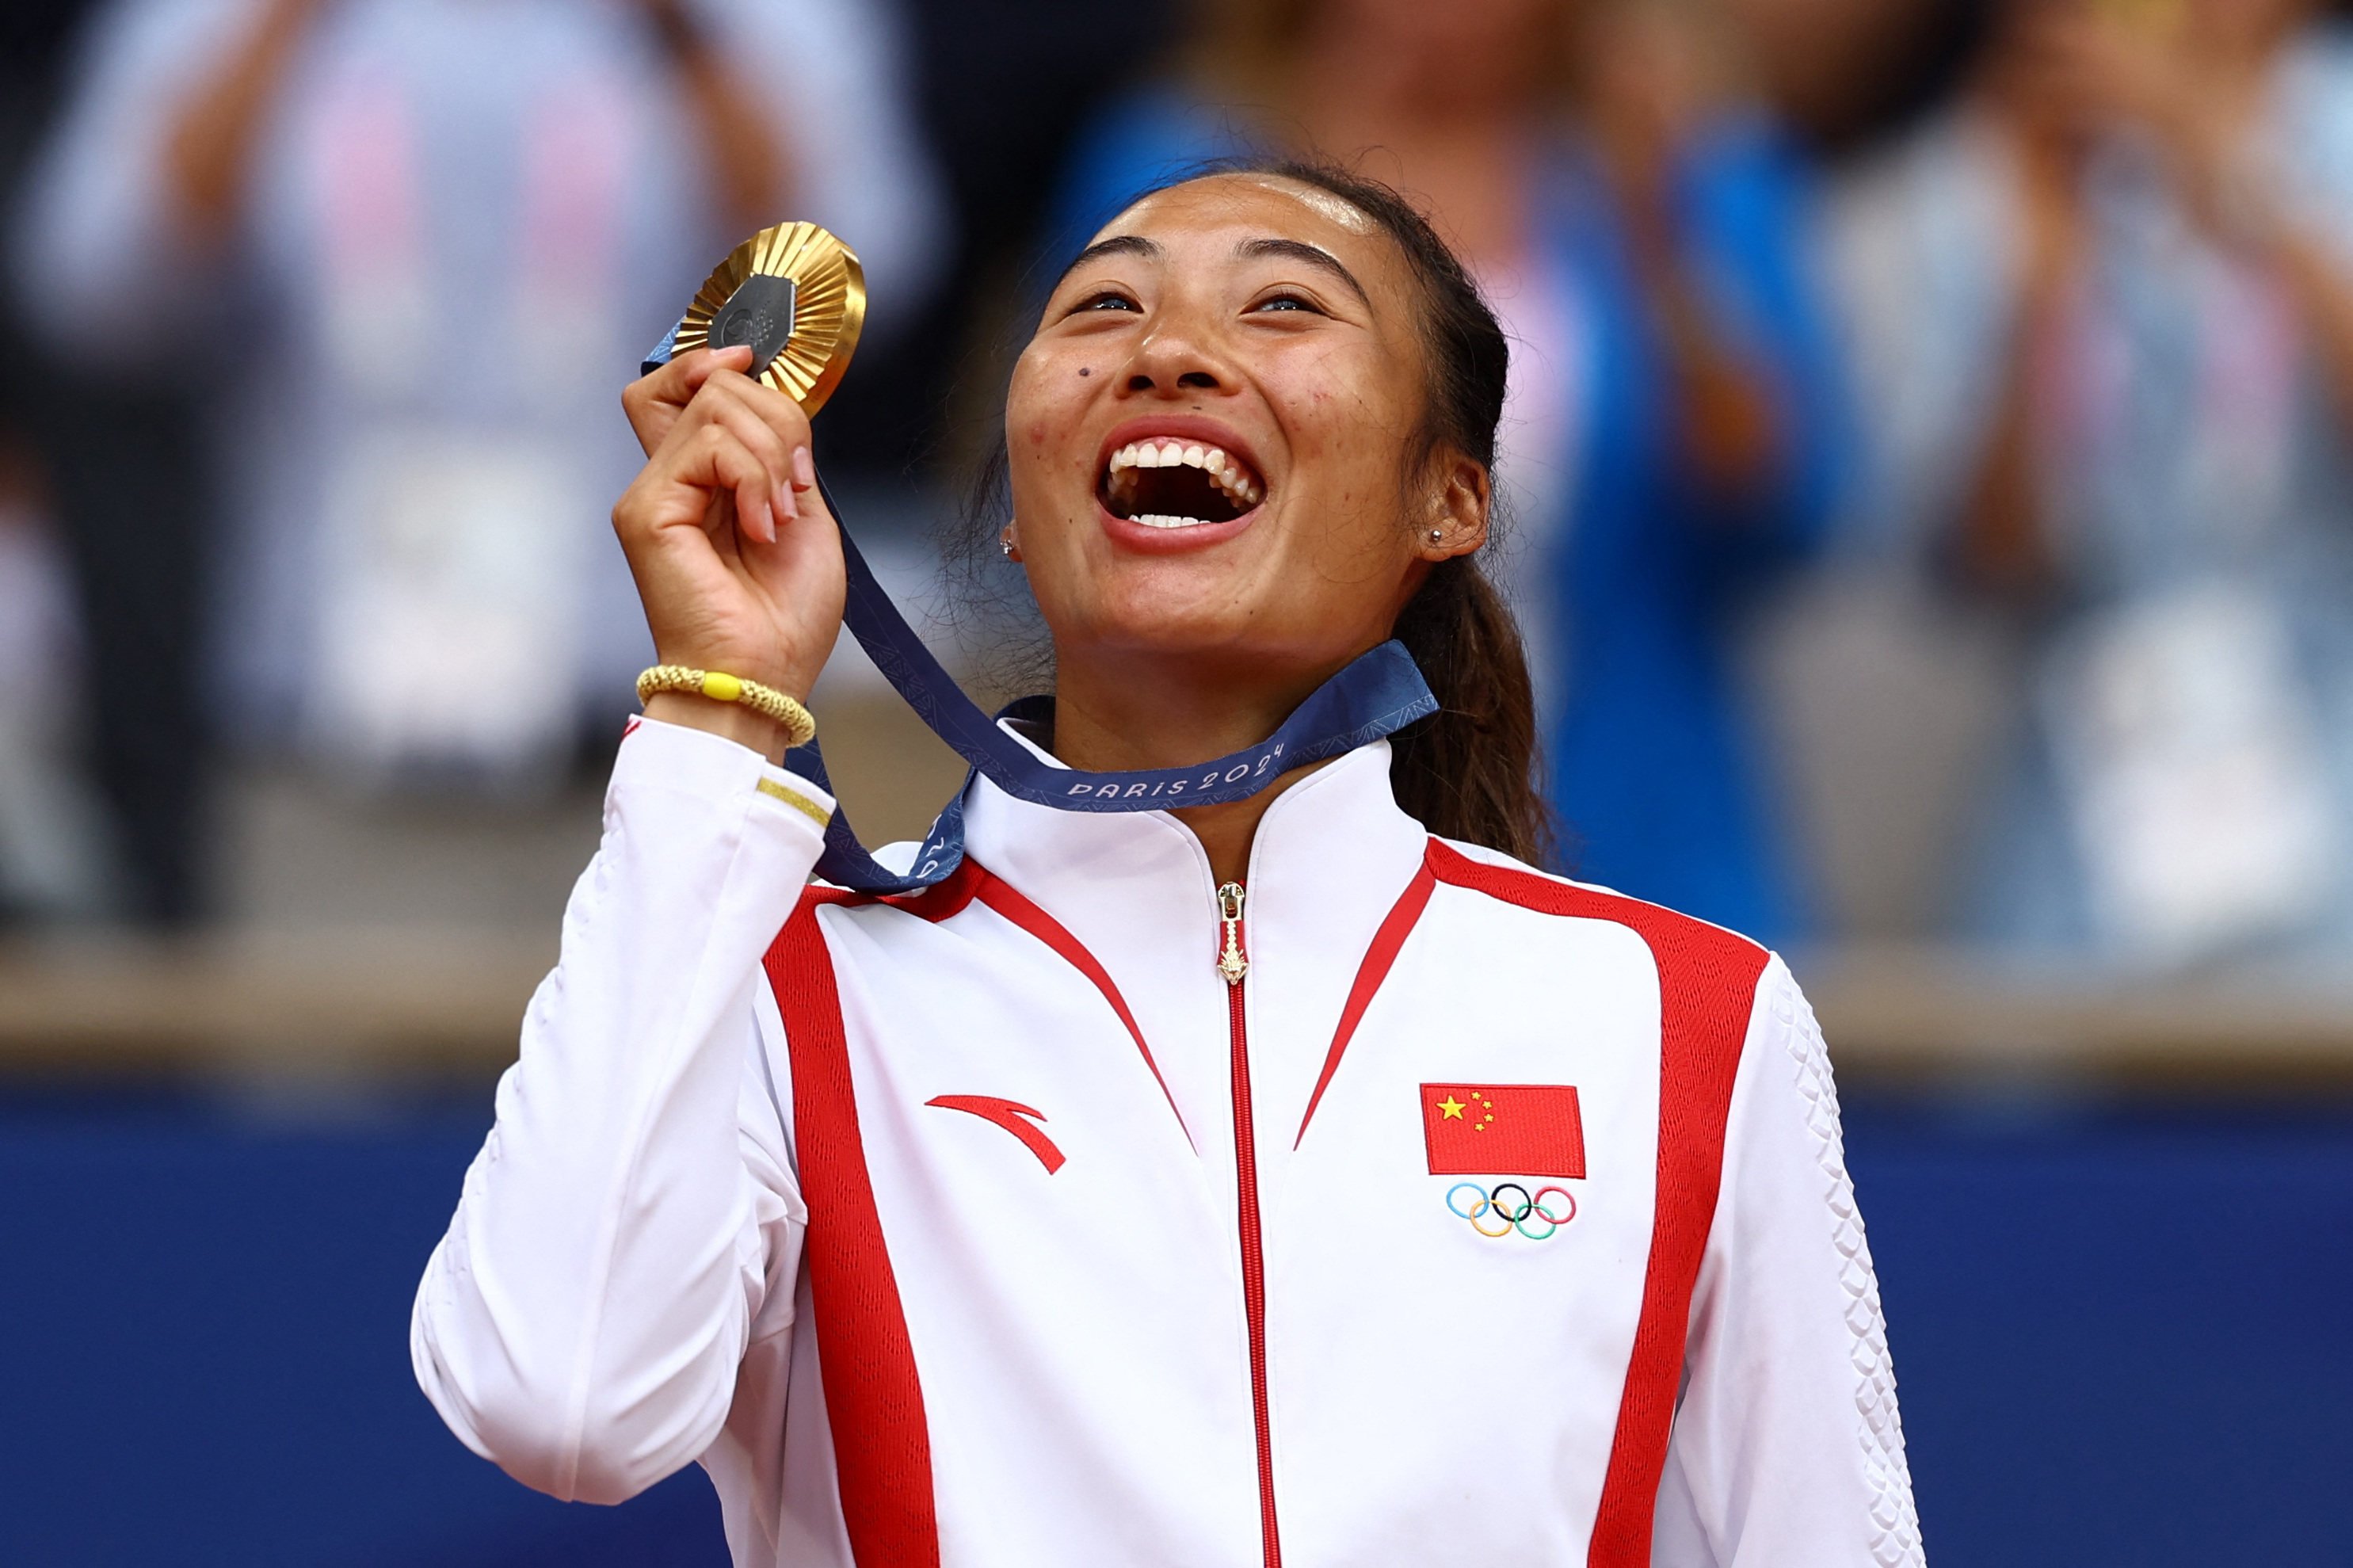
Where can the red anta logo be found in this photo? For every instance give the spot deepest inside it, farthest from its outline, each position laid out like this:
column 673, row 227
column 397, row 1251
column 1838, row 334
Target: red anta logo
column 1009, row 1114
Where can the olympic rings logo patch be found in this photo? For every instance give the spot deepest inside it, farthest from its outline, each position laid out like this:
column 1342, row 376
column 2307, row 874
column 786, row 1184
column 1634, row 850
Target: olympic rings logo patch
column 1510, row 1207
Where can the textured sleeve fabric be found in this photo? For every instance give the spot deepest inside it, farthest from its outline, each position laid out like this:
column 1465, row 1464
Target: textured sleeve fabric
column 1786, row 1448
column 631, row 1226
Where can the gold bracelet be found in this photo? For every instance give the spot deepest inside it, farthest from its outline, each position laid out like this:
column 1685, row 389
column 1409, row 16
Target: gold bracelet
column 765, row 701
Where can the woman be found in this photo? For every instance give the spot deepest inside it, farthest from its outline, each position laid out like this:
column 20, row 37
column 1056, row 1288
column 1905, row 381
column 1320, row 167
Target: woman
column 1670, row 439
column 1188, row 1187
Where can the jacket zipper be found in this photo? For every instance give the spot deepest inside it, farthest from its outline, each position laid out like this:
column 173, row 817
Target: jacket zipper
column 1233, row 963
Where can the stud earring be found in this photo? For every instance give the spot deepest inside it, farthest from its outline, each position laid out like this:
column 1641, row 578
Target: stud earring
column 1438, row 535
column 1005, row 542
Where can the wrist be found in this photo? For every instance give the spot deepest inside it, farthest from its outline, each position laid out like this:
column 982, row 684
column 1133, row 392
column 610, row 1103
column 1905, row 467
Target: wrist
column 783, row 722
column 776, row 670
column 730, row 721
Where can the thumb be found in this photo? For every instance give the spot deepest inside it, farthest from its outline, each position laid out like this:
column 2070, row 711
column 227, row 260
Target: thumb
column 653, row 402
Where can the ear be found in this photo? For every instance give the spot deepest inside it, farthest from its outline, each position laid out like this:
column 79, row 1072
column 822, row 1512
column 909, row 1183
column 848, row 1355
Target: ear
column 1461, row 497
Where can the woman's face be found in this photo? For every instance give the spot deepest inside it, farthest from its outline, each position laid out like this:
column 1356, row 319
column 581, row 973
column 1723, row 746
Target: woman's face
column 1207, row 436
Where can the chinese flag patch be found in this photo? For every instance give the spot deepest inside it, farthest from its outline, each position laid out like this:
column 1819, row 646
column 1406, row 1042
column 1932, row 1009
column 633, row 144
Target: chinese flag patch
column 1511, row 1130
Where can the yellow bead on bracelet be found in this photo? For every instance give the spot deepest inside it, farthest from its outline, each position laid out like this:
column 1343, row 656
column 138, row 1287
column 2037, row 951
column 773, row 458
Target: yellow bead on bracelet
column 766, row 701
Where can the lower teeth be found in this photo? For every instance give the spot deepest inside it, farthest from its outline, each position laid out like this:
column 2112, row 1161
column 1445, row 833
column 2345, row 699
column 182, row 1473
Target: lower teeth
column 1152, row 520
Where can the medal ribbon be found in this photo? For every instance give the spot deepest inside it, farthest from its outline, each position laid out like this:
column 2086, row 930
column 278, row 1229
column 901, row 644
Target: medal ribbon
column 1379, row 694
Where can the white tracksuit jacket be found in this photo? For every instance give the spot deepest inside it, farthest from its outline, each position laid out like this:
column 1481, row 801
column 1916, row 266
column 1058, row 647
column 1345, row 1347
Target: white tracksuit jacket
column 995, row 1226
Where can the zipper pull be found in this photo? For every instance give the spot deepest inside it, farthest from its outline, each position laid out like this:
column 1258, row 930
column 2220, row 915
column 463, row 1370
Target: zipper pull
column 1233, row 961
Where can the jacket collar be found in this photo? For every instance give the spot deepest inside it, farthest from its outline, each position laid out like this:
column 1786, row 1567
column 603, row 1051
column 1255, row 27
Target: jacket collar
column 1316, row 839
column 1331, row 857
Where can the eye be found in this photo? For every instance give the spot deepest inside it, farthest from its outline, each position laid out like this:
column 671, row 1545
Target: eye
column 1106, row 300
column 1287, row 302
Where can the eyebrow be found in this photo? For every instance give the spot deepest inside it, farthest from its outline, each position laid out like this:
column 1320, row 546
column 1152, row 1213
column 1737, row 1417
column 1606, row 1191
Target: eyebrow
column 1117, row 244
column 1314, row 256
column 1299, row 251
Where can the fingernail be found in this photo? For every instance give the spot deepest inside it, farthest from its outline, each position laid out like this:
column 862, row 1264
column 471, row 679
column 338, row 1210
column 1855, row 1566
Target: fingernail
column 763, row 520
column 785, row 499
column 804, row 469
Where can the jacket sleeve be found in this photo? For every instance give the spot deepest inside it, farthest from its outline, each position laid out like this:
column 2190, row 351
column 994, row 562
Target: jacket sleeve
column 1788, row 1447
column 632, row 1224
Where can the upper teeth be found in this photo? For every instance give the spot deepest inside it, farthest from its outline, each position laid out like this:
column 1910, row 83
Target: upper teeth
column 1231, row 475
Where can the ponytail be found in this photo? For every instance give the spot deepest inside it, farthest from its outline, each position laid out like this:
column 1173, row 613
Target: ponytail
column 1467, row 771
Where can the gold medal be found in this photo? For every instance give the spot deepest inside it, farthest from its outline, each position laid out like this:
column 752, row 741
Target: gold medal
column 797, row 297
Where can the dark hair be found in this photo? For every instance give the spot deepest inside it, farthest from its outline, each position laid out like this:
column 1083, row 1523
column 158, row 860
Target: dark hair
column 1467, row 771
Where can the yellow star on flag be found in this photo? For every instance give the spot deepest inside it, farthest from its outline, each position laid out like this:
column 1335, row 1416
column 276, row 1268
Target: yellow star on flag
column 1452, row 1107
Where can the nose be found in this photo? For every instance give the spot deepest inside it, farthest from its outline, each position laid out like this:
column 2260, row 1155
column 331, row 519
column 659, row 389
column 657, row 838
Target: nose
column 1172, row 360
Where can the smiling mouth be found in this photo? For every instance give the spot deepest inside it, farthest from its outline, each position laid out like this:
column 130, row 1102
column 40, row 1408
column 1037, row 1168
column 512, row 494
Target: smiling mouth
column 1171, row 484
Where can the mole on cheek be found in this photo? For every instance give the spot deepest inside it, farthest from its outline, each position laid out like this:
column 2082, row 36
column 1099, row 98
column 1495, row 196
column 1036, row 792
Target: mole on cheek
column 1086, row 370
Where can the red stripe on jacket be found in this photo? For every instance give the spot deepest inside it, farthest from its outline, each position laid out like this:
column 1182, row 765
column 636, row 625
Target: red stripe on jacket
column 1018, row 907
column 874, row 1401
column 1707, row 988
column 1395, row 927
column 874, row 1398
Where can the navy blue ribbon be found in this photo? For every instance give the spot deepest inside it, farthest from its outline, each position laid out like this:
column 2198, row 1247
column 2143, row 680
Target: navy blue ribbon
column 1379, row 694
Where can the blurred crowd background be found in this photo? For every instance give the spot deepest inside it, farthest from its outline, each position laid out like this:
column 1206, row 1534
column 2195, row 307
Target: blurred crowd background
column 1929, row 462
column 1926, row 451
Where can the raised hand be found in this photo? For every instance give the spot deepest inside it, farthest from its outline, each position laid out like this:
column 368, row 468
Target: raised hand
column 737, row 562
column 2125, row 67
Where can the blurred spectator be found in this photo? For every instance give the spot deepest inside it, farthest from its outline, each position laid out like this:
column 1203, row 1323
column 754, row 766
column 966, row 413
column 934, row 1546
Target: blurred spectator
column 414, row 246
column 100, row 501
column 1842, row 73
column 1670, row 437
column 51, row 864
column 2104, row 312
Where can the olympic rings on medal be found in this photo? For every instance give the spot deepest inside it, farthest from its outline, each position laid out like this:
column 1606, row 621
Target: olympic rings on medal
column 1515, row 1212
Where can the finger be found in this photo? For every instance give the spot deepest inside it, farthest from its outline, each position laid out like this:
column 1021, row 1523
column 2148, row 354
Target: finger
column 791, row 422
column 729, row 404
column 662, row 393
column 772, row 407
column 747, row 480
column 719, row 527
column 715, row 465
column 771, row 424
column 654, row 401
column 678, row 381
column 703, row 364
